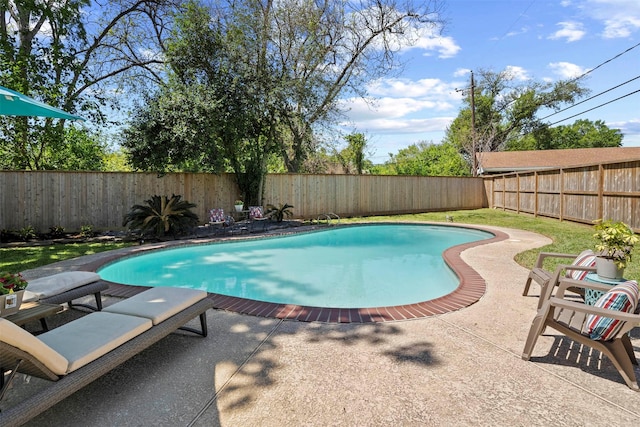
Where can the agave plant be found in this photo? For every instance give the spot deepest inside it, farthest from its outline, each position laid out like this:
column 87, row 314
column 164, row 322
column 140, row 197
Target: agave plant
column 162, row 215
column 278, row 213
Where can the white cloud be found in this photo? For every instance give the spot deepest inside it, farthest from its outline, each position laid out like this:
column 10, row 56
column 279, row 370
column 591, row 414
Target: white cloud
column 461, row 72
column 518, row 73
column 570, row 30
column 566, row 70
column 620, row 18
column 404, row 106
column 429, row 39
column 407, row 126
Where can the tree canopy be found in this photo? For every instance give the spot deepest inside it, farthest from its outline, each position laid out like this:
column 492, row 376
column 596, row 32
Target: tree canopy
column 506, row 110
column 580, row 134
column 266, row 74
column 73, row 55
column 426, row 159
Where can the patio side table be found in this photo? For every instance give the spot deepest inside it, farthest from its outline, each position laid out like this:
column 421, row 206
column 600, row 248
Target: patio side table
column 32, row 311
column 591, row 295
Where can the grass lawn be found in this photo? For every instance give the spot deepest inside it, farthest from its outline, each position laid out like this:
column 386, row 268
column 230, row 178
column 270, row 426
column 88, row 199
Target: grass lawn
column 567, row 238
column 16, row 259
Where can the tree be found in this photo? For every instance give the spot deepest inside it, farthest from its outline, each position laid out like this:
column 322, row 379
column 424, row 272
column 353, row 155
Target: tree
column 274, row 72
column 506, row 110
column 352, row 157
column 70, row 55
column 427, row 159
column 581, row 134
column 217, row 110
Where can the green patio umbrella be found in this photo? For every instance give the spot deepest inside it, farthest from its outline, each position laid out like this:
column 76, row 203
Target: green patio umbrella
column 14, row 103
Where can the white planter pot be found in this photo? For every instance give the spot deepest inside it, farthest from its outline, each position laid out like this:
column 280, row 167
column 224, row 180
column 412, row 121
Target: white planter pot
column 607, row 269
column 10, row 303
column 238, row 208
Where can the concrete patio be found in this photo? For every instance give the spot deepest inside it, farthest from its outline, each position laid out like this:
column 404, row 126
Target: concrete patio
column 461, row 368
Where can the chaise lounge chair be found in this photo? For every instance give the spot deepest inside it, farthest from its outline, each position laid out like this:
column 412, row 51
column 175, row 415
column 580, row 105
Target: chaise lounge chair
column 77, row 353
column 603, row 326
column 65, row 287
column 580, row 266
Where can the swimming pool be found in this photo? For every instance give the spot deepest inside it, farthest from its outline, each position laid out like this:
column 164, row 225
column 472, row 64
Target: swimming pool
column 347, row 267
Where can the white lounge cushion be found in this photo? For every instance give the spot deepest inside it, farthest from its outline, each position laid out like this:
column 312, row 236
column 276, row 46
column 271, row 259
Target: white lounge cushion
column 86, row 339
column 14, row 335
column 56, row 284
column 158, row 304
column 29, row 296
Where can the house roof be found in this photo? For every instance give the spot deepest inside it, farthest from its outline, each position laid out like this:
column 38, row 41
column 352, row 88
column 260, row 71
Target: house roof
column 511, row 161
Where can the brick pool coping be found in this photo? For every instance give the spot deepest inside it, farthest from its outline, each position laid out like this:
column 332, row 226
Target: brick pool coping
column 471, row 288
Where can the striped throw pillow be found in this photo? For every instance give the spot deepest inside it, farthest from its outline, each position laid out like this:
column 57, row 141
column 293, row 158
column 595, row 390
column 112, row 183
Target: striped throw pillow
column 586, row 259
column 622, row 297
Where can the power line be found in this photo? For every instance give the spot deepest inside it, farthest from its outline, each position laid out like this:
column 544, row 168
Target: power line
column 591, row 97
column 597, row 106
column 605, row 62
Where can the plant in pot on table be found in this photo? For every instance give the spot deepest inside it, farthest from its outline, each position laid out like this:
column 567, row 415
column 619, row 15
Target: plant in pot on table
column 239, row 204
column 12, row 288
column 615, row 243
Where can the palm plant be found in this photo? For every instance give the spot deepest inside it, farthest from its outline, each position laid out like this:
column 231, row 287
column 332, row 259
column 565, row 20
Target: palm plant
column 278, row 213
column 162, row 215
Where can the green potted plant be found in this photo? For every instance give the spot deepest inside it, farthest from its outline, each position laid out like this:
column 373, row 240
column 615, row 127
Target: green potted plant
column 239, row 204
column 615, row 241
column 12, row 288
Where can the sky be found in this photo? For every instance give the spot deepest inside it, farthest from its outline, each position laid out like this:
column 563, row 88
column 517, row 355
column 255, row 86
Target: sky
column 543, row 40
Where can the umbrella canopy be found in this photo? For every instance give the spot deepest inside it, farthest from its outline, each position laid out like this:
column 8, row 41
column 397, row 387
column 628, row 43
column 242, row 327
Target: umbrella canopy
column 14, row 103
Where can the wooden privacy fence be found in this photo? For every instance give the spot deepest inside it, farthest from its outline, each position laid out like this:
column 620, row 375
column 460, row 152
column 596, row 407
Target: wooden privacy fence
column 581, row 194
column 44, row 199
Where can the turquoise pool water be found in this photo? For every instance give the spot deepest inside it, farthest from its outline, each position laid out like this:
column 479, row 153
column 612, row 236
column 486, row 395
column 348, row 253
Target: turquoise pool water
column 350, row 267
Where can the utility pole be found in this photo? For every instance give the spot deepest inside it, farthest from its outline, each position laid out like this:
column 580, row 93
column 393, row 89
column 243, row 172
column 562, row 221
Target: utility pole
column 473, row 128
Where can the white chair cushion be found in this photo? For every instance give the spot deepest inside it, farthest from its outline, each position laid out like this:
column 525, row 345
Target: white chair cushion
column 158, row 304
column 56, row 284
column 86, row 339
column 14, row 335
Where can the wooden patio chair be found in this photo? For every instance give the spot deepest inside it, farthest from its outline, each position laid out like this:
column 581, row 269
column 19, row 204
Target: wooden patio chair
column 603, row 326
column 581, row 265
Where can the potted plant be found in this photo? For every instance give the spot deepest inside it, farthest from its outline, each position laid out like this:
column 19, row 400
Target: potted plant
column 239, row 204
column 12, row 288
column 613, row 249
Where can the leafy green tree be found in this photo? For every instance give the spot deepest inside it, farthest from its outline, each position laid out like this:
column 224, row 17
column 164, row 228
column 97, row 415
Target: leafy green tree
column 217, row 111
column 506, row 110
column 581, row 134
column 264, row 74
column 72, row 56
column 427, row 159
column 352, row 158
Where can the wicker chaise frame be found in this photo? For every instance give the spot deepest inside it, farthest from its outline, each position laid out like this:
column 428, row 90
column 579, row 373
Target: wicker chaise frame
column 65, row 386
column 94, row 288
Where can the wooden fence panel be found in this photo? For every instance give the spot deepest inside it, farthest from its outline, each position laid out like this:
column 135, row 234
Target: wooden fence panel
column 581, row 194
column 44, row 199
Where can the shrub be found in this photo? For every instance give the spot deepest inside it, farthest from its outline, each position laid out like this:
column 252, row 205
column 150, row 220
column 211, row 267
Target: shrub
column 161, row 216
column 56, row 231
column 278, row 213
column 86, row 231
column 27, row 233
